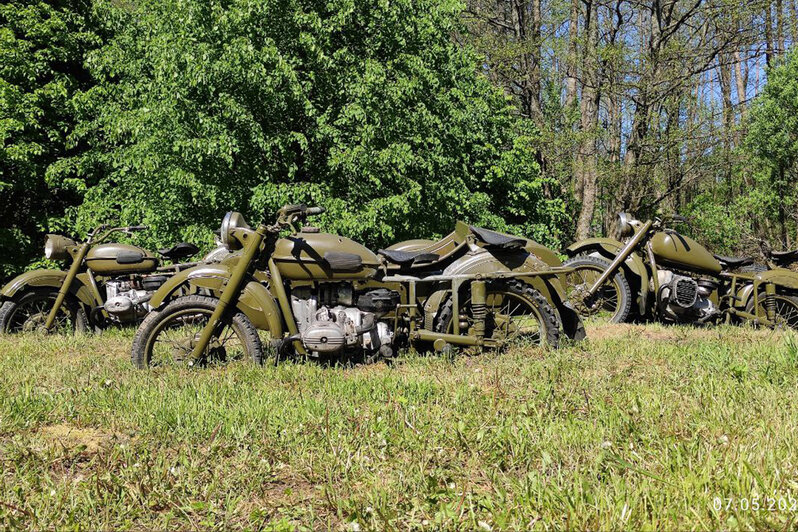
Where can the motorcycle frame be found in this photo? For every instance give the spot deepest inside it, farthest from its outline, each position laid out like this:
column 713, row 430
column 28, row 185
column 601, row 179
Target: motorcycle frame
column 730, row 310
column 78, row 254
column 262, row 239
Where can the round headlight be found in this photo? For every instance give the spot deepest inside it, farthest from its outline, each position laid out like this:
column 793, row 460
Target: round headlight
column 231, row 221
column 55, row 247
column 625, row 227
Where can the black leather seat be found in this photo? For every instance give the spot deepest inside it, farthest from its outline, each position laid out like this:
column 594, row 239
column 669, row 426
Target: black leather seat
column 499, row 240
column 408, row 258
column 182, row 250
column 734, row 262
column 784, row 256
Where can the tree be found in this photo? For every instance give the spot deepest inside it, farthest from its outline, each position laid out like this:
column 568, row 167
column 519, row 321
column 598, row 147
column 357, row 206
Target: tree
column 773, row 137
column 42, row 45
column 371, row 110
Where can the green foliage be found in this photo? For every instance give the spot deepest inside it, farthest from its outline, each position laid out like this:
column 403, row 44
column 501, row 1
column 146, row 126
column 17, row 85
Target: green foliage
column 42, row 44
column 370, row 110
column 773, row 137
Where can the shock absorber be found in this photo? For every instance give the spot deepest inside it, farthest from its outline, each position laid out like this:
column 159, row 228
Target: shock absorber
column 479, row 309
column 770, row 302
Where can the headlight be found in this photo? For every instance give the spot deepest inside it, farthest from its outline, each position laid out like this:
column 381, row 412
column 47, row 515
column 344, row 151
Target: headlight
column 625, row 227
column 232, row 221
column 55, row 247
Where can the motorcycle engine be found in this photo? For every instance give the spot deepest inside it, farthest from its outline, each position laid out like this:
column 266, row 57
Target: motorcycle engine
column 127, row 299
column 682, row 299
column 333, row 318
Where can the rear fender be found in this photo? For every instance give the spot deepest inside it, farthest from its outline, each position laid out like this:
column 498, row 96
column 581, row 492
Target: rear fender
column 634, row 269
column 36, row 279
column 255, row 300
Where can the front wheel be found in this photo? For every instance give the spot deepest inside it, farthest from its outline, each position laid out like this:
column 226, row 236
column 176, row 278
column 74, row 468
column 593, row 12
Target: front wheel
column 516, row 313
column 167, row 337
column 28, row 313
column 785, row 309
column 613, row 301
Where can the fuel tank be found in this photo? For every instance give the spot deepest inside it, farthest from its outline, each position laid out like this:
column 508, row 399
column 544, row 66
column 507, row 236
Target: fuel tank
column 679, row 251
column 313, row 255
column 112, row 258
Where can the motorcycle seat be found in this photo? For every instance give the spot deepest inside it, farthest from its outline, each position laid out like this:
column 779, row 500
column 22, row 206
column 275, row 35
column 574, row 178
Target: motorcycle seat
column 181, row 250
column 408, row 258
column 499, row 240
column 734, row 262
column 784, row 256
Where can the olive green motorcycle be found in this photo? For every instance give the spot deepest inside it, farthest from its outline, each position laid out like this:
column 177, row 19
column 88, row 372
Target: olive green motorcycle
column 659, row 274
column 107, row 283
column 325, row 296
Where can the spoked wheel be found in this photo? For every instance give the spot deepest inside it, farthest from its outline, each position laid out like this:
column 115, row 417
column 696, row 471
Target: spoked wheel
column 613, row 301
column 168, row 337
column 29, row 313
column 786, row 310
column 517, row 314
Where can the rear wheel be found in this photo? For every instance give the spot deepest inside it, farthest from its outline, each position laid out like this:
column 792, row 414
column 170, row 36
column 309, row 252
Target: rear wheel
column 613, row 301
column 28, row 313
column 516, row 314
column 167, row 337
column 786, row 309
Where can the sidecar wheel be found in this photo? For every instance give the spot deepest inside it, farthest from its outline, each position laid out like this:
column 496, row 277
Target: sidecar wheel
column 613, row 302
column 786, row 309
column 167, row 337
column 533, row 319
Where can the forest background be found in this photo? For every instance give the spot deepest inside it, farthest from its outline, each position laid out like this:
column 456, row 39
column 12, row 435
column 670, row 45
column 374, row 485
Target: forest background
column 540, row 117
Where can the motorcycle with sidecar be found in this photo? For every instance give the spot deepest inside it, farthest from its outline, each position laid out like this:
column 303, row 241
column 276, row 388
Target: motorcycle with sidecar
column 657, row 273
column 107, row 283
column 325, row 296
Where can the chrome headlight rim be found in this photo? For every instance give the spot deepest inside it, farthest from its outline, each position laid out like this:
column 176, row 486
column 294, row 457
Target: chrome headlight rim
column 625, row 227
column 55, row 247
column 232, row 220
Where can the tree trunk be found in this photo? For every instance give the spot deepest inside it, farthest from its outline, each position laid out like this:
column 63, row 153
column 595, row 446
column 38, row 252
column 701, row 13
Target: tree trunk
column 587, row 165
column 573, row 35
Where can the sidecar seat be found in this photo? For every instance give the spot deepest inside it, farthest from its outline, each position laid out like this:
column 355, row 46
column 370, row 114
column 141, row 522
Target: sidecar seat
column 179, row 251
column 734, row 262
column 498, row 240
column 409, row 258
column 784, row 257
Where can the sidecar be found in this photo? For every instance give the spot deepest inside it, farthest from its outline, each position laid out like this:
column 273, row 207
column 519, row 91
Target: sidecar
column 470, row 250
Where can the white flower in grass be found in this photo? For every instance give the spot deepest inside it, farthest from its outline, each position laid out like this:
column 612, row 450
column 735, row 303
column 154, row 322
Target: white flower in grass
column 484, row 526
column 606, row 444
column 354, row 526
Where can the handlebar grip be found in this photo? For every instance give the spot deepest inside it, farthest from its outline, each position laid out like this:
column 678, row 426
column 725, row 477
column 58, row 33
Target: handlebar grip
column 678, row 218
column 137, row 228
column 312, row 211
column 294, row 208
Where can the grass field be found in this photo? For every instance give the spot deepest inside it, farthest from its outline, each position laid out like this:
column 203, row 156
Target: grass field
column 642, row 426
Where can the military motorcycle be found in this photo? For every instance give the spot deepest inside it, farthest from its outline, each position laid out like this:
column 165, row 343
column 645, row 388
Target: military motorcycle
column 660, row 274
column 328, row 297
column 107, row 283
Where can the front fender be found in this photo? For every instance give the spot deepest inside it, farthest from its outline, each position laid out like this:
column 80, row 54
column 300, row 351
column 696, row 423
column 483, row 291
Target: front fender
column 255, row 300
column 634, row 268
column 50, row 279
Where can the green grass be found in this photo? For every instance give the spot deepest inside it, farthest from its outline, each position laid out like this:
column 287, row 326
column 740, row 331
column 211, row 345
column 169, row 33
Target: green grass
column 639, row 427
